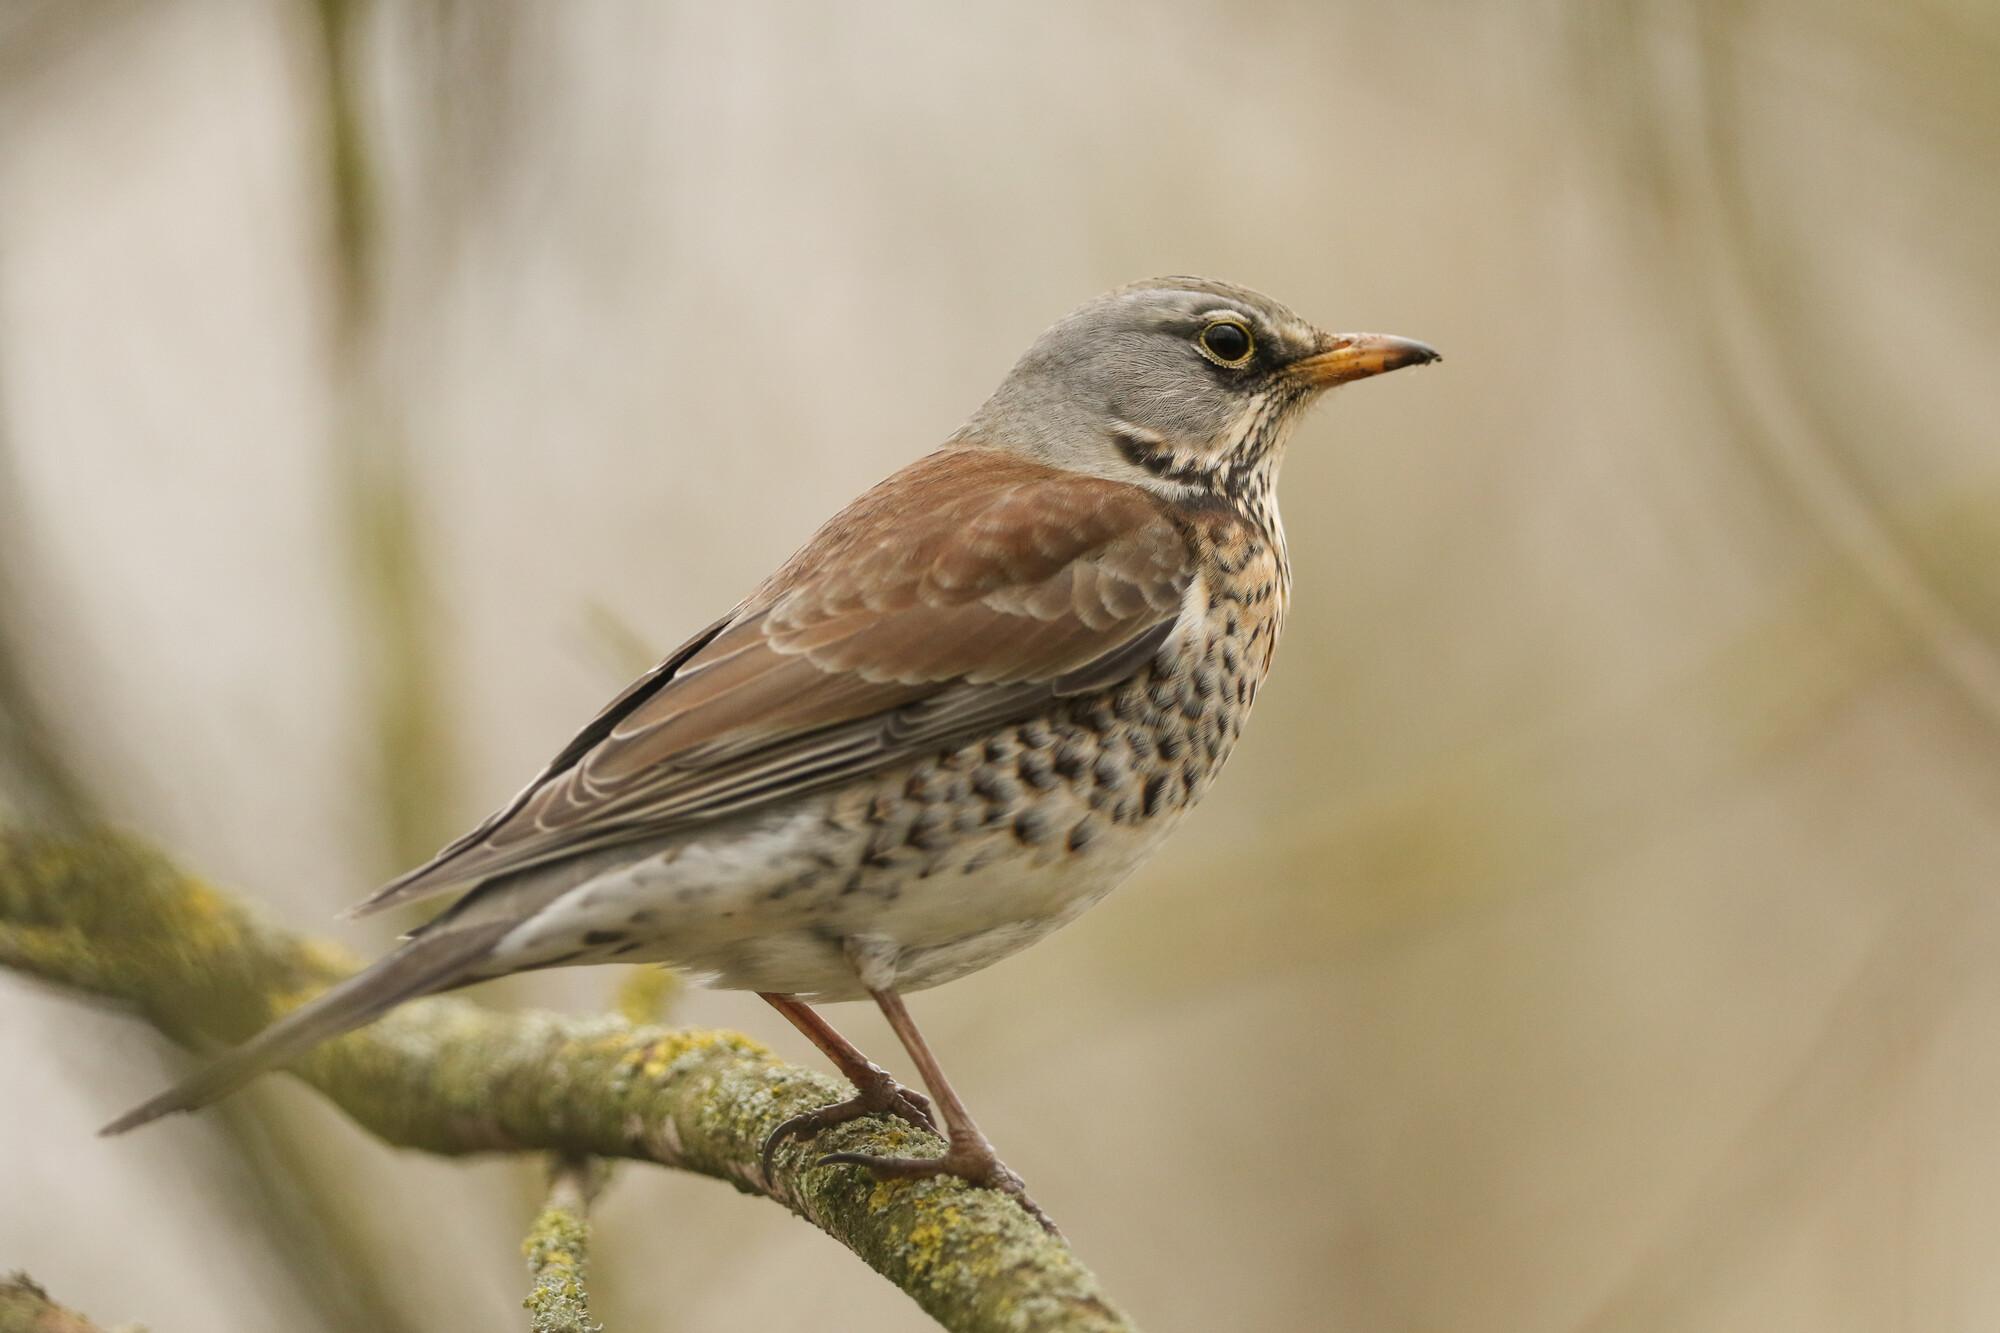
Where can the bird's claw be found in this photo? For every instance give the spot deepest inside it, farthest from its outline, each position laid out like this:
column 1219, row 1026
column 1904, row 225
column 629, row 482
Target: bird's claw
column 974, row 1162
column 875, row 1093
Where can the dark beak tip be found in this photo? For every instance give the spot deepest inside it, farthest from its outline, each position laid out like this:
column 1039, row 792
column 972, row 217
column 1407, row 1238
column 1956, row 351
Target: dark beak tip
column 1354, row 356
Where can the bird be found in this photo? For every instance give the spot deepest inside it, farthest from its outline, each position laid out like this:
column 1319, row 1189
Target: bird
column 965, row 710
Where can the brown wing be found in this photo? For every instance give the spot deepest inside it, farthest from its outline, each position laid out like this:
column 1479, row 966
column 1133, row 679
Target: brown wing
column 970, row 588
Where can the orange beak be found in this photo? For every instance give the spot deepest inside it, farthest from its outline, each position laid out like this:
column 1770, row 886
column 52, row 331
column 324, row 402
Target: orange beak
column 1356, row 356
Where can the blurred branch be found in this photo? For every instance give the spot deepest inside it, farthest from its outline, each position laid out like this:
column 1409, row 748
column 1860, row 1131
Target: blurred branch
column 646, row 993
column 36, row 784
column 558, row 1249
column 1808, row 410
column 1735, row 265
column 33, row 777
column 413, row 750
column 26, row 1308
column 102, row 915
column 1808, row 455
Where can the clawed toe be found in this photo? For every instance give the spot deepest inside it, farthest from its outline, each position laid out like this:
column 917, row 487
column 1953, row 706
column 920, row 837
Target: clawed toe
column 970, row 1156
column 912, row 1106
column 973, row 1163
column 878, row 1094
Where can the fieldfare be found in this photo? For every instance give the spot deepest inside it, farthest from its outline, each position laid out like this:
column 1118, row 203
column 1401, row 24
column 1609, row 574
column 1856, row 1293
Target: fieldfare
column 966, row 709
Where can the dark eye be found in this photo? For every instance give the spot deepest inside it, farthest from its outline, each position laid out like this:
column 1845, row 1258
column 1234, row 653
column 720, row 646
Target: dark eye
column 1227, row 341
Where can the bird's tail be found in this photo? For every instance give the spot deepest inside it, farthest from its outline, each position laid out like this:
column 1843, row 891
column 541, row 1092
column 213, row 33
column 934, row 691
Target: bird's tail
column 428, row 963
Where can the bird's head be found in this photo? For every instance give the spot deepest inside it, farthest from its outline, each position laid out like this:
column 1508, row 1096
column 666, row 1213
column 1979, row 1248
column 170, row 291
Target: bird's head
column 1180, row 382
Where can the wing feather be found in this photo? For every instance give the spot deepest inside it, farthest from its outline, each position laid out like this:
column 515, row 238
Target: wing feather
column 971, row 588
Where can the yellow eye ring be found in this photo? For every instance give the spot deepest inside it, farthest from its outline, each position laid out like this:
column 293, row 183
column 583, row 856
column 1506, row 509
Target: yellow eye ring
column 1227, row 342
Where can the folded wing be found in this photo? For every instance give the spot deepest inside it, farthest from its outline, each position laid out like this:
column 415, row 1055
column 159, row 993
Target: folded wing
column 971, row 588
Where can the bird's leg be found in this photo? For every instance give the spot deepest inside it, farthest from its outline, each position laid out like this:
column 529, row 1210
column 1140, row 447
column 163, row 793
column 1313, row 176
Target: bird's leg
column 970, row 1155
column 873, row 1082
column 875, row 1092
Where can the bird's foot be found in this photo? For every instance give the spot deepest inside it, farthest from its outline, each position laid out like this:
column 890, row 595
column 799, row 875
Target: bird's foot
column 970, row 1157
column 876, row 1092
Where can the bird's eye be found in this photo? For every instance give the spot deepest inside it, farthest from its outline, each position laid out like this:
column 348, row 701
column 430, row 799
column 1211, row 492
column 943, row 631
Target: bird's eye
column 1227, row 342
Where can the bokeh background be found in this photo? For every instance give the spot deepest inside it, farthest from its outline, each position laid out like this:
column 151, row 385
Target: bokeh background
column 1599, row 928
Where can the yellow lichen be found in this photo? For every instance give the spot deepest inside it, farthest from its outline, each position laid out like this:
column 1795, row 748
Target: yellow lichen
column 668, row 1048
column 556, row 1248
column 926, row 1242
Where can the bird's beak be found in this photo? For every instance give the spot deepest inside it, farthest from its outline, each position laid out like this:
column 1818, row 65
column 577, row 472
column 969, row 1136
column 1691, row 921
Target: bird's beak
column 1356, row 356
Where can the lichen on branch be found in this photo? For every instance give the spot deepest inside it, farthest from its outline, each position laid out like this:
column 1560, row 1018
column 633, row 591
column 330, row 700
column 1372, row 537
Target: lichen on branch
column 558, row 1250
column 98, row 913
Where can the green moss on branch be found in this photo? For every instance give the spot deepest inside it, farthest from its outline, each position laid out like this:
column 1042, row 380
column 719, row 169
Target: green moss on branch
column 100, row 914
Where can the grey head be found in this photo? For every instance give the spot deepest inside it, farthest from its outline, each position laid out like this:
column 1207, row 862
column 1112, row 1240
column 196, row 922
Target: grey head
column 1176, row 383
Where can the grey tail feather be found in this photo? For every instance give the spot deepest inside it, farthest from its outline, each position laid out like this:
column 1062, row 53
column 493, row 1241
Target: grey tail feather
column 432, row 963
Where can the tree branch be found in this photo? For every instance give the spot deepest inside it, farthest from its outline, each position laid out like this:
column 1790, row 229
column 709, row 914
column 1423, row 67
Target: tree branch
column 558, row 1249
column 26, row 1308
column 100, row 914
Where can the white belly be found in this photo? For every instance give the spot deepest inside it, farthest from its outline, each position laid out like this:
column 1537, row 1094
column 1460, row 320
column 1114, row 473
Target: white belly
column 795, row 904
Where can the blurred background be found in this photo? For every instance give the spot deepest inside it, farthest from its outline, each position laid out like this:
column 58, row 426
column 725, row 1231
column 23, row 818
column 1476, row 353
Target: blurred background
column 1599, row 927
